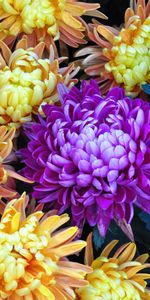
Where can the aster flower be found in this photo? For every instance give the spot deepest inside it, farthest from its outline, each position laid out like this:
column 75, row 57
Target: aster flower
column 27, row 80
column 7, row 173
column 46, row 20
column 116, row 276
column 33, row 255
column 91, row 154
column 121, row 57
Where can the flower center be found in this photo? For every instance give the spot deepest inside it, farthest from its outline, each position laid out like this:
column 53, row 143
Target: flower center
column 130, row 55
column 22, row 86
column 109, row 281
column 18, row 253
column 35, row 13
column 103, row 160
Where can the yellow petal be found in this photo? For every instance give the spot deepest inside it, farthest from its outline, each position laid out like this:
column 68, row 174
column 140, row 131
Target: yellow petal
column 67, row 249
column 46, row 292
column 71, row 21
column 63, row 236
column 15, row 222
column 108, row 248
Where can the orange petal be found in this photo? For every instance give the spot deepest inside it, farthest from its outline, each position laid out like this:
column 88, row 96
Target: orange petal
column 128, row 253
column 148, row 9
column 89, row 251
column 22, row 44
column 128, row 14
column 72, row 282
column 2, row 207
column 106, row 33
column 89, row 6
column 68, row 249
column 141, row 12
column 18, row 176
column 74, row 9
column 96, row 14
column 108, row 248
column 75, row 266
column 50, row 224
column 63, row 236
column 71, row 21
column 7, row 193
column 131, row 272
column 5, row 51
column 58, row 294
column 39, row 49
column 142, row 258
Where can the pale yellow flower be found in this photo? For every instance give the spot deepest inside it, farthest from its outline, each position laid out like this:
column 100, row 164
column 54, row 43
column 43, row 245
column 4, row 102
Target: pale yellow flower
column 27, row 80
column 33, row 262
column 117, row 276
column 58, row 19
column 121, row 57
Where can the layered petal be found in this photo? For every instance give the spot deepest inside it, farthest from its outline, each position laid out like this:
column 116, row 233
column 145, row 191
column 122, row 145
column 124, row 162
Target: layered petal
column 116, row 276
column 121, row 56
column 92, row 155
column 33, row 255
column 46, row 20
column 28, row 80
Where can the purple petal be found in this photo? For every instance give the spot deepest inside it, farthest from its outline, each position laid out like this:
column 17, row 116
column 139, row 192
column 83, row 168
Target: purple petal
column 84, row 180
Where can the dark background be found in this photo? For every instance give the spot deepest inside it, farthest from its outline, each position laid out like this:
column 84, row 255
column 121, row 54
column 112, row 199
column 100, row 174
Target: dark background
column 114, row 9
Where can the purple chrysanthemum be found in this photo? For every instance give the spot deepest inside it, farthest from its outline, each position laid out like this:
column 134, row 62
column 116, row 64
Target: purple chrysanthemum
column 92, row 155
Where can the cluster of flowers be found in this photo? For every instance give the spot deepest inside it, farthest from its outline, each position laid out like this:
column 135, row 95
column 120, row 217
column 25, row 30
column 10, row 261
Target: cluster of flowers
column 87, row 149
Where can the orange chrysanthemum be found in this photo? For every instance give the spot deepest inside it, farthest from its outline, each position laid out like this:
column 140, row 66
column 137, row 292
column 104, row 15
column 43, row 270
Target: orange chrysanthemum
column 7, row 174
column 116, row 277
column 46, row 20
column 33, row 264
column 28, row 80
column 121, row 57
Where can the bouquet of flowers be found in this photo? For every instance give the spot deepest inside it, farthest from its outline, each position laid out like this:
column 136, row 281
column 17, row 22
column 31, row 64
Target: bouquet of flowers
column 74, row 150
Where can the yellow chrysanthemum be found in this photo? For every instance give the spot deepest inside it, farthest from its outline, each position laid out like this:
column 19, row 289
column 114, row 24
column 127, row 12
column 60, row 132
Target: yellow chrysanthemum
column 116, row 277
column 27, row 81
column 53, row 18
column 7, row 173
column 124, row 56
column 32, row 256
